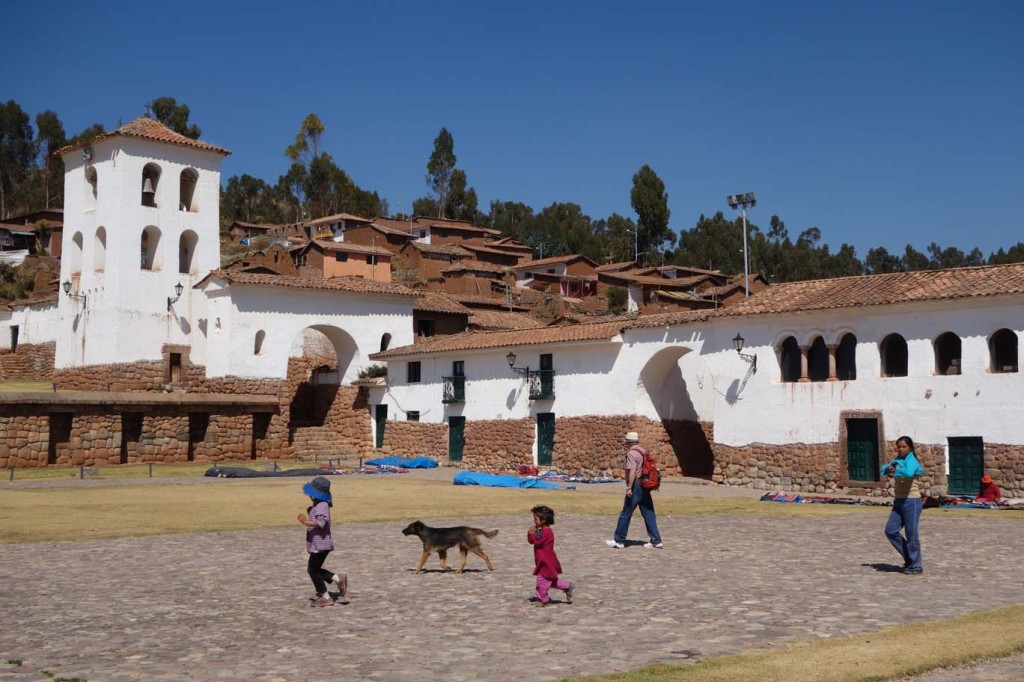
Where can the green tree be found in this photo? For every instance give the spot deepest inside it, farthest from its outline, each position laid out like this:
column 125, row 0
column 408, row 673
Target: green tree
column 461, row 201
column 650, row 202
column 615, row 238
column 440, row 167
column 174, row 116
column 914, row 260
column 17, row 151
column 51, row 138
column 306, row 147
column 879, row 261
column 513, row 218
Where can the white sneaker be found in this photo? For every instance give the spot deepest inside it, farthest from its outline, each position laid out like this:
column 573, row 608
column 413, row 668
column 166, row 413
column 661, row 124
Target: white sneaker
column 616, row 545
column 652, row 545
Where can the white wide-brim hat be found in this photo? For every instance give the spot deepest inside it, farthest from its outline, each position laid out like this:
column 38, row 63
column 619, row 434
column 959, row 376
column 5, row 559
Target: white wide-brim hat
column 632, row 437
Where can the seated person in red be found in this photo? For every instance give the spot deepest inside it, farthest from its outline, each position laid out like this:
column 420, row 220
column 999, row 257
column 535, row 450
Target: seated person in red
column 989, row 490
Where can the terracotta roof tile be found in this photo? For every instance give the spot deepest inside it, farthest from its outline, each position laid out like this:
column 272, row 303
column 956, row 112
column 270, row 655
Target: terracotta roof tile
column 399, row 225
column 147, row 129
column 488, row 302
column 554, row 259
column 500, row 319
column 886, row 289
column 474, row 340
column 488, row 249
column 328, row 219
column 328, row 245
column 616, row 267
column 435, row 302
column 349, row 284
column 476, row 265
column 444, row 249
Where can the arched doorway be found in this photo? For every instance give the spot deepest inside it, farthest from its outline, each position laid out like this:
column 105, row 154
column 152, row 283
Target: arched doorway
column 320, row 360
column 664, row 395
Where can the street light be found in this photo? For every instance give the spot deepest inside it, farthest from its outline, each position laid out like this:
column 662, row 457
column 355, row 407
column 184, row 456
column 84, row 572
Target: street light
column 171, row 300
column 742, row 201
column 737, row 343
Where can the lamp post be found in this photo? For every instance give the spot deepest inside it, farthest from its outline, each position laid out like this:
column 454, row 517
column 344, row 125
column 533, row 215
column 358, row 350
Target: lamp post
column 74, row 296
column 742, row 201
column 737, row 343
column 171, row 300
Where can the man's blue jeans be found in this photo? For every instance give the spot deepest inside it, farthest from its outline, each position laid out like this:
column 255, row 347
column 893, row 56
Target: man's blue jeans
column 905, row 514
column 640, row 498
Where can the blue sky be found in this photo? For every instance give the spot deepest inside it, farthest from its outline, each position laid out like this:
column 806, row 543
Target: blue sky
column 881, row 123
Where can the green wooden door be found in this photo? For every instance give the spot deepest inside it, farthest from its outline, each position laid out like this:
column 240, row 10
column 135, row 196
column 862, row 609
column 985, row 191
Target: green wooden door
column 966, row 465
column 456, row 438
column 380, row 418
column 545, row 437
column 862, row 449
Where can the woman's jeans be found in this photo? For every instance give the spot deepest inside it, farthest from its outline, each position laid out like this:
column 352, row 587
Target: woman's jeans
column 905, row 514
column 640, row 498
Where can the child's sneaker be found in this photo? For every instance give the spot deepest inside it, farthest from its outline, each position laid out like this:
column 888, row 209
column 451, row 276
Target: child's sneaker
column 568, row 596
column 322, row 601
column 342, row 583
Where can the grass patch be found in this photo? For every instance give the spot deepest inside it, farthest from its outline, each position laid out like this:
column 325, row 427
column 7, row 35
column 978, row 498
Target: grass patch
column 119, row 471
column 86, row 513
column 891, row 653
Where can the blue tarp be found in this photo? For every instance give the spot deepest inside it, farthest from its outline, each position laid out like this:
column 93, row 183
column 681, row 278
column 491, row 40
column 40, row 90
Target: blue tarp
column 403, row 463
column 500, row 481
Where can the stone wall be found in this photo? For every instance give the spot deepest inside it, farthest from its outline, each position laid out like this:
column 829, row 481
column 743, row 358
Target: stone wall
column 499, row 444
column 30, row 362
column 815, row 468
column 413, row 439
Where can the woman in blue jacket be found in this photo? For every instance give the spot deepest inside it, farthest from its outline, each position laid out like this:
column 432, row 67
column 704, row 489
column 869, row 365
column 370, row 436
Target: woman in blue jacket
column 905, row 471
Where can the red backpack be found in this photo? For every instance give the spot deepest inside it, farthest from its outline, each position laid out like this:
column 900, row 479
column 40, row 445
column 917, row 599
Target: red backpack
column 650, row 477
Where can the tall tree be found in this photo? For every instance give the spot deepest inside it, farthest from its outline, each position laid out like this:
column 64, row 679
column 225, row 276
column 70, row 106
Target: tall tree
column 879, row 261
column 51, row 138
column 440, row 167
column 306, row 147
column 615, row 238
column 461, row 202
column 650, row 202
column 174, row 116
column 17, row 151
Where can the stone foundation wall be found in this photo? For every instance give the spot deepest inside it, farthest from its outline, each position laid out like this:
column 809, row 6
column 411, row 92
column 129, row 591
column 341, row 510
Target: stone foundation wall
column 30, row 362
column 412, row 439
column 1005, row 464
column 499, row 444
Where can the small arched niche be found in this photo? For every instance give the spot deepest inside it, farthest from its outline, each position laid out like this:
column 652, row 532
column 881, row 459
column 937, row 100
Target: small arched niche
column 1002, row 350
column 99, row 250
column 789, row 360
column 149, row 243
column 257, row 347
column 76, row 253
column 91, row 188
column 187, row 251
column 817, row 360
column 187, row 190
column 947, row 354
column 150, row 184
column 893, row 354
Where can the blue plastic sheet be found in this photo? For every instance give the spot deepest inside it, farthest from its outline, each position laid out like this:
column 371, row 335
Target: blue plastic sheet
column 500, row 481
column 403, row 462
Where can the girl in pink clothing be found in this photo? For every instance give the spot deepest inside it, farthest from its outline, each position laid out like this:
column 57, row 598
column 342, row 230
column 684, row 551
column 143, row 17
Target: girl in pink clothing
column 546, row 566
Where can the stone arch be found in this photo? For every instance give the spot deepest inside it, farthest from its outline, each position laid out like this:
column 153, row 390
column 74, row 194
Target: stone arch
column 817, row 360
column 321, row 359
column 893, row 353
column 846, row 358
column 257, row 346
column 187, row 251
column 91, row 188
column 789, row 360
column 99, row 250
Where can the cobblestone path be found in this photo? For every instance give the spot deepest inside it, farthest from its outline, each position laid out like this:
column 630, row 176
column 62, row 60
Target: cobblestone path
column 233, row 606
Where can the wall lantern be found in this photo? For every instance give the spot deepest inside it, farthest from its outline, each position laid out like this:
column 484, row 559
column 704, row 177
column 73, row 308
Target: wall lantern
column 737, row 343
column 511, row 359
column 171, row 300
column 75, row 296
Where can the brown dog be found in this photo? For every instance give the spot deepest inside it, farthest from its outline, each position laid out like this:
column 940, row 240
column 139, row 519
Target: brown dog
column 440, row 540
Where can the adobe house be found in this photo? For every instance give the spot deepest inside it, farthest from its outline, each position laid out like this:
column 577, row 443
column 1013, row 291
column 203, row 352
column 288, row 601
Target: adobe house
column 342, row 259
column 274, row 259
column 380, row 236
column 436, row 314
column 572, row 275
column 430, row 260
column 332, row 226
column 471, row 277
column 447, row 231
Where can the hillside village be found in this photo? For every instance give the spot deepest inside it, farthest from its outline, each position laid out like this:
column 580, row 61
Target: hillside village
column 347, row 335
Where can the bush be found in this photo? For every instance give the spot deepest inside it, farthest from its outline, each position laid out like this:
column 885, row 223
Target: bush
column 373, row 371
column 617, row 299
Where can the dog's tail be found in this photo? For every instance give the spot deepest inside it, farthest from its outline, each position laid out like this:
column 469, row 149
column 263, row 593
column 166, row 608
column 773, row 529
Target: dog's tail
column 490, row 534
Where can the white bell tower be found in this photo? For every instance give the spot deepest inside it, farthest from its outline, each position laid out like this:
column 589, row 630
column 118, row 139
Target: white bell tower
column 141, row 216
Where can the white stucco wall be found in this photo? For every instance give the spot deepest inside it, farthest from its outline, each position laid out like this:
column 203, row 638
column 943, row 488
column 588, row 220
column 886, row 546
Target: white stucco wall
column 36, row 324
column 354, row 322
column 125, row 316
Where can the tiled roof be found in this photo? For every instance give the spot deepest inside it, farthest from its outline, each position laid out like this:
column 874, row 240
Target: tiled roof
column 44, row 299
column 434, row 302
column 476, row 265
column 448, row 223
column 509, row 243
column 443, row 249
column 383, row 229
column 474, row 340
column 500, row 319
column 260, row 226
column 328, row 245
column 886, row 289
column 399, row 225
column 327, row 220
column 147, row 129
column 488, row 249
column 616, row 267
column 488, row 302
column 671, row 319
column 350, row 284
column 648, row 281
column 553, row 260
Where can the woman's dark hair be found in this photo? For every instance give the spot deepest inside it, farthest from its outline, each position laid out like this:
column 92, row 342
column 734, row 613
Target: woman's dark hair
column 908, row 440
column 546, row 514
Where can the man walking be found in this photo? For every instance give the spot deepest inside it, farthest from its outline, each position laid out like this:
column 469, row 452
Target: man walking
column 635, row 497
